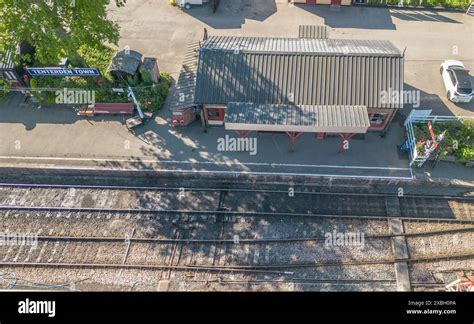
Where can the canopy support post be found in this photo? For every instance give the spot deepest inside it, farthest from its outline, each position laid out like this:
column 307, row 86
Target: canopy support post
column 243, row 133
column 293, row 136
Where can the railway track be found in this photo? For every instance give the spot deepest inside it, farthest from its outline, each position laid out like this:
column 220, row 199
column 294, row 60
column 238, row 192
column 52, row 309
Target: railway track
column 183, row 252
column 104, row 239
column 100, row 252
column 91, row 249
column 220, row 212
column 226, row 188
column 226, row 201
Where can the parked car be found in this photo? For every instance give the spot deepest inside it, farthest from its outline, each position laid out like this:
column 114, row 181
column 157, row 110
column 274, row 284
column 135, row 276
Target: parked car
column 457, row 81
column 186, row 4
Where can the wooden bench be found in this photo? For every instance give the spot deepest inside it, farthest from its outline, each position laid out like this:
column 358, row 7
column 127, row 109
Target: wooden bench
column 107, row 109
column 114, row 108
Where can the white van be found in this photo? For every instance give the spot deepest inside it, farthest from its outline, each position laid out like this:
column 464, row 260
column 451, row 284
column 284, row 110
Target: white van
column 186, row 4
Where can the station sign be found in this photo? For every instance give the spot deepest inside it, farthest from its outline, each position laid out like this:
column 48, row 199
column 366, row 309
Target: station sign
column 58, row 71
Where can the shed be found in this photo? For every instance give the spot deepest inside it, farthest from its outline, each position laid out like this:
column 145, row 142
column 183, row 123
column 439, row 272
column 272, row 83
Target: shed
column 149, row 69
column 125, row 63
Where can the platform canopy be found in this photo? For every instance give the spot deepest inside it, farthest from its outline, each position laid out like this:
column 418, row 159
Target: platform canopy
column 293, row 118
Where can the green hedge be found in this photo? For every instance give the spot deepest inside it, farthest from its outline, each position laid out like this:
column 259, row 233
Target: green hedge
column 153, row 97
column 4, row 89
column 97, row 57
column 149, row 94
column 459, row 140
column 459, row 4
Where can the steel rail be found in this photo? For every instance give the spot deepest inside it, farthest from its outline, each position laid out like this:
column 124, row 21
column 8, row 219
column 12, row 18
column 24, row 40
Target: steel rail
column 225, row 212
column 245, row 268
column 247, row 241
column 204, row 189
column 319, row 281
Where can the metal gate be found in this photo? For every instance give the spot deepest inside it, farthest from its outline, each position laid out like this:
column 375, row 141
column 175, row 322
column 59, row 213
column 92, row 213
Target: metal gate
column 410, row 143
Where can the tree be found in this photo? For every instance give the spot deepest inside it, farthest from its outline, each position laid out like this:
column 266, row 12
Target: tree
column 55, row 28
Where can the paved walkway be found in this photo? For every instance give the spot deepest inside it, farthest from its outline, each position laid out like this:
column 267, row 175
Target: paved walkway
column 55, row 136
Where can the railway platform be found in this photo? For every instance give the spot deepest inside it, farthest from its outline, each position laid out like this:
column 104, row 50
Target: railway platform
column 53, row 137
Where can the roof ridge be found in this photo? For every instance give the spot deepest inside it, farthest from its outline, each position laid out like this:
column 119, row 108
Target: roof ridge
column 283, row 45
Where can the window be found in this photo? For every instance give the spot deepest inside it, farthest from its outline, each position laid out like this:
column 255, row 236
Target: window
column 466, row 91
column 378, row 119
column 215, row 113
column 451, row 76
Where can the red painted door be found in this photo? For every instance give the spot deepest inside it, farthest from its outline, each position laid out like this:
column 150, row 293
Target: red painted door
column 310, row 1
column 336, row 2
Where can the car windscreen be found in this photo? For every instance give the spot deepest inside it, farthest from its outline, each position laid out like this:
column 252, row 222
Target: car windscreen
column 464, row 80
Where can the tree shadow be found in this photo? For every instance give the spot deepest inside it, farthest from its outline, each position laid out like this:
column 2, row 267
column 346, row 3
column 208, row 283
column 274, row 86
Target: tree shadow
column 421, row 15
column 372, row 17
column 18, row 111
column 352, row 17
column 232, row 14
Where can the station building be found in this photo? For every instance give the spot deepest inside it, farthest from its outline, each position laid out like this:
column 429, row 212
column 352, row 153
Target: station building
column 297, row 84
column 294, row 85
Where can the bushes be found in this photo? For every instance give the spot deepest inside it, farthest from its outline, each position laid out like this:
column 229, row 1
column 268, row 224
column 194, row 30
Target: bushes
column 460, row 4
column 153, row 97
column 459, row 140
column 96, row 57
column 464, row 154
column 150, row 95
column 4, row 89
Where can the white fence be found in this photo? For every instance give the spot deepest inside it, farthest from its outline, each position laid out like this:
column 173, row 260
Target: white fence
column 422, row 116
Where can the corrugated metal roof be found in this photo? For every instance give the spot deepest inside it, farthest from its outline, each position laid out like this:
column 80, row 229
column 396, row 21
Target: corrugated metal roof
column 301, row 45
column 6, row 62
column 294, row 78
column 292, row 115
column 183, row 94
column 313, row 31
